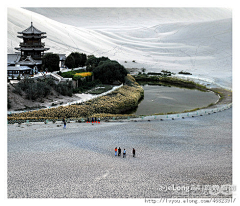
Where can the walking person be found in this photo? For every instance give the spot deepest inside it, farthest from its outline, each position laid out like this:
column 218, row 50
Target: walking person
column 115, row 151
column 124, row 153
column 119, row 151
column 133, row 151
column 65, row 124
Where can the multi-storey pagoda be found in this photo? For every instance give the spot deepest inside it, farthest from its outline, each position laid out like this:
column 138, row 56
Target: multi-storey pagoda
column 32, row 44
column 29, row 59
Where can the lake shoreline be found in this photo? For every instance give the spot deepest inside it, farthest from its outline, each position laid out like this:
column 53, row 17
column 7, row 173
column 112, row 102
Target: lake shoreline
column 225, row 98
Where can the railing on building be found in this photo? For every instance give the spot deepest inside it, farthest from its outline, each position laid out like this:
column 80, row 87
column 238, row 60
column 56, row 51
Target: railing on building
column 32, row 44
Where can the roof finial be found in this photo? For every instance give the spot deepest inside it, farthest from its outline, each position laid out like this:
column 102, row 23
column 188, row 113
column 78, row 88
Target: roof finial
column 31, row 23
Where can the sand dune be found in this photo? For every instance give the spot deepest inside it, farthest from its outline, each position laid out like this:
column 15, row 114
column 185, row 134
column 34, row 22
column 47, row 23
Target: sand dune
column 196, row 40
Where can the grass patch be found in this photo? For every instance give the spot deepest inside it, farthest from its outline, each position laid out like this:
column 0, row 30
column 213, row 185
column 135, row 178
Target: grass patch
column 169, row 81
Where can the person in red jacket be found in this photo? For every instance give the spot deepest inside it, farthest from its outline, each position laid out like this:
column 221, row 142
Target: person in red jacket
column 115, row 151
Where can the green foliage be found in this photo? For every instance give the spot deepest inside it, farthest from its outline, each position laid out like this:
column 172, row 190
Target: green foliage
column 65, row 88
column 17, row 90
column 79, row 58
column 184, row 72
column 76, row 59
column 51, row 62
column 35, row 90
column 119, row 101
column 42, row 88
column 109, row 71
column 38, row 89
column 70, row 62
column 70, row 74
column 92, row 62
column 24, row 83
column 84, row 86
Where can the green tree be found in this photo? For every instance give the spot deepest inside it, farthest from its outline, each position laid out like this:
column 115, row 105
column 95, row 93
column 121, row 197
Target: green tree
column 79, row 59
column 92, row 62
column 110, row 71
column 70, row 61
column 51, row 62
column 83, row 60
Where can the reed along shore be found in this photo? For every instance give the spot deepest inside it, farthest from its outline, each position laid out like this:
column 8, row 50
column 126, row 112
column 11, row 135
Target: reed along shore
column 119, row 101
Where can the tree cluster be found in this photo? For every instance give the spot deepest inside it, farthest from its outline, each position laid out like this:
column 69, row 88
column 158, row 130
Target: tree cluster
column 50, row 62
column 106, row 70
column 109, row 71
column 75, row 60
column 92, row 62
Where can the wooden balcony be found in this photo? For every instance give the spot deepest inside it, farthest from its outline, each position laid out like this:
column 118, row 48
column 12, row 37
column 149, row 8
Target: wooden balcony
column 32, row 44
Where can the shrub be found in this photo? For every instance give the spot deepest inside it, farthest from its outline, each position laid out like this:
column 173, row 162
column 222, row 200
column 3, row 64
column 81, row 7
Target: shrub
column 34, row 89
column 17, row 90
column 110, row 71
column 64, row 88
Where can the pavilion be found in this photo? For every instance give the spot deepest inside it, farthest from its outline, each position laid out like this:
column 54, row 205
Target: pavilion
column 28, row 59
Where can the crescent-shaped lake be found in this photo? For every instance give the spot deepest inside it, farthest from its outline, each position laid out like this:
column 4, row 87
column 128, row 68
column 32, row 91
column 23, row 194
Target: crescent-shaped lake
column 165, row 99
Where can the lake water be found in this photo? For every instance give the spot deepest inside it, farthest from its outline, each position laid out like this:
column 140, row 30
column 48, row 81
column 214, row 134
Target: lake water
column 164, row 99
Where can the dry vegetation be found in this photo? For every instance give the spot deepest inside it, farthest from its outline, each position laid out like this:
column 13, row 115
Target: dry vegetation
column 117, row 102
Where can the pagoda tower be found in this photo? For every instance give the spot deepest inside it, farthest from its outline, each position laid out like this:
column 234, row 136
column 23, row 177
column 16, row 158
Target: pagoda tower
column 32, row 44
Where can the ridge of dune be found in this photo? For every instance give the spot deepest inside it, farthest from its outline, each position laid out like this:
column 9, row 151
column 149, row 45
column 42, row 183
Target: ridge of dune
column 201, row 45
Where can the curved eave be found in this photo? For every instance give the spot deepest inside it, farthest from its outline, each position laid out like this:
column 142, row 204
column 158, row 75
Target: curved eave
column 31, row 33
column 32, row 49
column 34, row 37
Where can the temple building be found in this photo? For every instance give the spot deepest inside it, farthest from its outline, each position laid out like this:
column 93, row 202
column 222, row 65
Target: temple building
column 28, row 59
column 32, row 44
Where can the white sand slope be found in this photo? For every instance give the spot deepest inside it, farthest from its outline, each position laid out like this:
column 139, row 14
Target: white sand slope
column 195, row 40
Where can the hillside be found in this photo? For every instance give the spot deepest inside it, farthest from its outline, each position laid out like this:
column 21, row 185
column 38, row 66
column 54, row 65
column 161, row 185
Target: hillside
column 195, row 40
column 20, row 102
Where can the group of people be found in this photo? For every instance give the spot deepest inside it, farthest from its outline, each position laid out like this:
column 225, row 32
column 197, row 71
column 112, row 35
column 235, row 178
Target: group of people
column 118, row 152
column 94, row 120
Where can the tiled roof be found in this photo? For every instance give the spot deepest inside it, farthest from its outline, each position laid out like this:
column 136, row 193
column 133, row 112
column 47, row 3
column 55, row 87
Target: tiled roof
column 30, row 61
column 18, row 68
column 31, row 30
